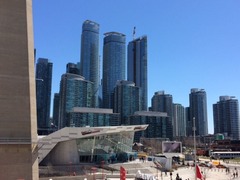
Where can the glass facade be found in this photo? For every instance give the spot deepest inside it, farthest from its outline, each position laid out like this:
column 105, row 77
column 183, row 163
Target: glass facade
column 226, row 117
column 109, row 148
column 56, row 109
column 126, row 100
column 105, row 144
column 89, row 63
column 179, row 123
column 189, row 128
column 75, row 91
column 137, row 67
column 114, row 52
column 72, row 68
column 159, row 125
column 198, row 110
column 162, row 102
column 80, row 118
column 43, row 91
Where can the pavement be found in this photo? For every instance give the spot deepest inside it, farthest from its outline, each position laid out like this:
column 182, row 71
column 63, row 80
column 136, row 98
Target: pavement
column 187, row 173
column 148, row 168
column 210, row 174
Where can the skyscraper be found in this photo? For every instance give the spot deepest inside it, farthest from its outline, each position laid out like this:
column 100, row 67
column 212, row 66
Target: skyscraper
column 126, row 100
column 75, row 91
column 18, row 125
column 226, row 117
column 114, row 52
column 179, row 123
column 56, row 109
column 89, row 63
column 43, row 89
column 198, row 110
column 162, row 102
column 137, row 67
column 189, row 125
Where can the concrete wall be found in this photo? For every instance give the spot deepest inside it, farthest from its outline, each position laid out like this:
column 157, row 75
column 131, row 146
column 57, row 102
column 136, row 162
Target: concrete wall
column 18, row 127
column 64, row 153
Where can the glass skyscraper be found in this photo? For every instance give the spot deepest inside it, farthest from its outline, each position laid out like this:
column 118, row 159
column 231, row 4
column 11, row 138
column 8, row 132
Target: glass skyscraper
column 179, row 123
column 226, row 117
column 126, row 100
column 162, row 102
column 198, row 110
column 75, row 91
column 56, row 109
column 137, row 67
column 43, row 91
column 189, row 128
column 114, row 57
column 89, row 63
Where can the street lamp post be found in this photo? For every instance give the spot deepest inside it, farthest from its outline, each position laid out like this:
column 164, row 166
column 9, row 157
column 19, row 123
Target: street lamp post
column 93, row 147
column 102, row 163
column 70, row 168
column 194, row 142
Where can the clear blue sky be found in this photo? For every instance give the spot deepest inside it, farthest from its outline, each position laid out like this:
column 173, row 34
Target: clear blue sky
column 191, row 43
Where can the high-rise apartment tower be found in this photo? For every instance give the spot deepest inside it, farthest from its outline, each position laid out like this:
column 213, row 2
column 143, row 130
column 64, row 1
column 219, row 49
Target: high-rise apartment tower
column 162, row 102
column 198, row 110
column 89, row 63
column 179, row 123
column 43, row 89
column 75, row 91
column 126, row 100
column 226, row 117
column 56, row 109
column 114, row 52
column 137, row 67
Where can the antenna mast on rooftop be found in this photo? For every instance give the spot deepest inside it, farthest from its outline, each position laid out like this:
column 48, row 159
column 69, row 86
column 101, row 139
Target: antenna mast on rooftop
column 134, row 31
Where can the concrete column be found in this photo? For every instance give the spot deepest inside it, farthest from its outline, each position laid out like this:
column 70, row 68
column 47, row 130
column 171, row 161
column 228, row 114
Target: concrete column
column 18, row 128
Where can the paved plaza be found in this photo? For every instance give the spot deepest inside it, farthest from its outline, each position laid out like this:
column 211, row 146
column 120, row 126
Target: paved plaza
column 210, row 174
column 187, row 173
column 149, row 169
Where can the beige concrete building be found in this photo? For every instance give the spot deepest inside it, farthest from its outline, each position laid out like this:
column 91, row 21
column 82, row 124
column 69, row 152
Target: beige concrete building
column 18, row 133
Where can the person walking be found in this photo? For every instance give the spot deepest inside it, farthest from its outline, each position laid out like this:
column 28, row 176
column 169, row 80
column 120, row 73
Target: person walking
column 177, row 177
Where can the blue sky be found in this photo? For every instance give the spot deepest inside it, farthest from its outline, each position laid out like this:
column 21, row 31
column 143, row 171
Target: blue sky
column 191, row 44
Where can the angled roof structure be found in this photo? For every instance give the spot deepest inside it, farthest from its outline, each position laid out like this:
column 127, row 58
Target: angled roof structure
column 47, row 143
